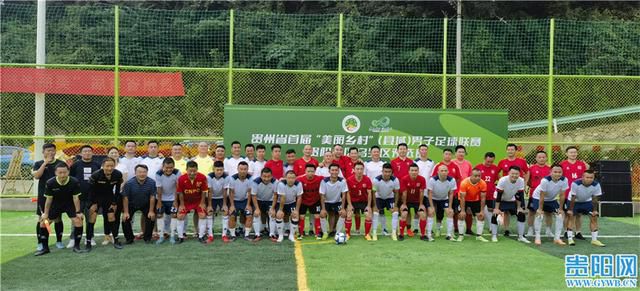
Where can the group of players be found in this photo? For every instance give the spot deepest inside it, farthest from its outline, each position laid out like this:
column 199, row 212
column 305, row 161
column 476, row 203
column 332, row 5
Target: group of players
column 272, row 197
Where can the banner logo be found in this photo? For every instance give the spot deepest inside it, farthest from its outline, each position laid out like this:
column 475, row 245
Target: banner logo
column 380, row 125
column 351, row 123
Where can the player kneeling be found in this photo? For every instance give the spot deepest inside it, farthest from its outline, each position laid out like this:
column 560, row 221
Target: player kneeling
column 544, row 203
column 584, row 194
column 288, row 192
column 510, row 201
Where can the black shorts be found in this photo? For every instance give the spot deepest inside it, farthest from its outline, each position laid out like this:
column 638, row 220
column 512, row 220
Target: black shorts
column 313, row 209
column 217, row 203
column 333, row 207
column 509, row 207
column 439, row 207
column 491, row 204
column 265, row 206
column 359, row 207
column 474, row 206
column 413, row 205
column 41, row 202
column 287, row 208
column 104, row 205
column 383, row 204
column 167, row 208
column 56, row 212
column 455, row 204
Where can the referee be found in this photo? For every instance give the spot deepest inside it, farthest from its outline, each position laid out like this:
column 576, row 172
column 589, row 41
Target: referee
column 139, row 195
column 62, row 196
column 104, row 193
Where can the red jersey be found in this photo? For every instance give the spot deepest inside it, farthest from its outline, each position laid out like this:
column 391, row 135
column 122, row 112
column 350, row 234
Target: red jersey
column 311, row 189
column 300, row 165
column 358, row 189
column 505, row 164
column 454, row 172
column 415, row 188
column 572, row 172
column 537, row 174
column 192, row 190
column 490, row 175
column 346, row 166
column 276, row 167
column 401, row 167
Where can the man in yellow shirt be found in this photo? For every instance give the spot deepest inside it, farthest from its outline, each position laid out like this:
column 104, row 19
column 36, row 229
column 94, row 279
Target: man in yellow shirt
column 204, row 160
column 180, row 162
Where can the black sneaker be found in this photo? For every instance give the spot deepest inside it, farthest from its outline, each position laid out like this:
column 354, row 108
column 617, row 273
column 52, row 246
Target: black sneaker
column 202, row 240
column 128, row 242
column 233, row 238
column 469, row 232
column 507, row 233
column 401, row 237
column 311, row 233
column 42, row 252
column 579, row 236
column 424, row 238
column 117, row 244
column 332, row 234
column 448, row 237
column 78, row 250
column 180, row 240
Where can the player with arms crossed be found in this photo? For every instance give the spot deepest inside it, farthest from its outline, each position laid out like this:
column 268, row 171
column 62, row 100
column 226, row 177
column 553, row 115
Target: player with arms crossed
column 584, row 196
column 545, row 202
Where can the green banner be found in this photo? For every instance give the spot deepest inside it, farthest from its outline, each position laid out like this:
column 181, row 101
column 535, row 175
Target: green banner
column 480, row 131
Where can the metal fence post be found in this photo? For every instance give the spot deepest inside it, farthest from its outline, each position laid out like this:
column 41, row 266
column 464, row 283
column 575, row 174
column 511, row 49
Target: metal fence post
column 550, row 92
column 116, row 77
column 444, row 65
column 230, row 69
column 339, row 99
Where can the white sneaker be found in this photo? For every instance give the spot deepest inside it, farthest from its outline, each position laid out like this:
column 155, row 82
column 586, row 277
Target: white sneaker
column 494, row 238
column 524, row 240
column 93, row 242
column 292, row 237
column 385, row 232
column 530, row 231
column 280, row 238
column 71, row 244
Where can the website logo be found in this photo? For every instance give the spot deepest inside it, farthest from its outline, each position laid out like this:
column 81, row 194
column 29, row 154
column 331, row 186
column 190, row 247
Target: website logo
column 380, row 125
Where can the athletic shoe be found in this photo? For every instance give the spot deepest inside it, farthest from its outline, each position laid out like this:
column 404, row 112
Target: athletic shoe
column 393, row 235
column 292, row 237
column 210, row 239
column 93, row 242
column 42, row 252
column 348, row 236
column 401, row 237
column 233, row 238
column 325, row 236
column 247, row 238
column 59, row 245
column 39, row 247
column 311, row 233
column 431, row 239
column 460, row 238
column 117, row 245
column 88, row 248
column 225, row 239
column 571, row 242
column 385, row 232
column 523, row 240
column 469, row 232
column 71, row 244
column 374, row 237
column 559, row 242
column 449, row 237
column 597, row 243
column 128, row 242
column 180, row 240
column 494, row 239
column 368, row 237
column 78, row 250
column 172, row 239
column 300, row 237
column 273, row 238
column 424, row 238
column 579, row 236
column 410, row 232
column 482, row 239
column 437, row 234
column 280, row 238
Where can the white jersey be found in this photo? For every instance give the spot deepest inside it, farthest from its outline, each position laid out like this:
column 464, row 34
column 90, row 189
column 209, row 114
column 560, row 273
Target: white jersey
column 217, row 185
column 440, row 189
column 240, row 187
column 231, row 164
column 290, row 193
column 584, row 193
column 373, row 169
column 287, row 167
column 168, row 184
column 425, row 168
column 263, row 191
column 385, row 189
column 154, row 164
column 125, row 172
column 324, row 172
column 333, row 191
column 509, row 189
column 130, row 164
column 550, row 188
column 255, row 167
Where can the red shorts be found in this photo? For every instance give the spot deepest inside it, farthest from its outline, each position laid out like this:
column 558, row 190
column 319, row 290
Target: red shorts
column 190, row 207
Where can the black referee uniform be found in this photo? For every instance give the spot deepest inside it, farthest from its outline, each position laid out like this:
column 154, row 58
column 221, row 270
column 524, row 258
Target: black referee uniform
column 105, row 193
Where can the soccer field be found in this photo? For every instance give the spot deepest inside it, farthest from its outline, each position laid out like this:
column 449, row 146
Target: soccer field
column 312, row 264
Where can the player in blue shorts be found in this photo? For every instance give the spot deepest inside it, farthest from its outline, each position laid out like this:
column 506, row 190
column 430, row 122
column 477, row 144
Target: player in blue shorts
column 584, row 194
column 545, row 203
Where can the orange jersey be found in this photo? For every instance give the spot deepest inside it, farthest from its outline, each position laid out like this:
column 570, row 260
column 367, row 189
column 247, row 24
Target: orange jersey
column 472, row 191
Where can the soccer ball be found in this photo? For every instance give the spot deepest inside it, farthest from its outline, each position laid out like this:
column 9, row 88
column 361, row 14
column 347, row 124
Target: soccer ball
column 341, row 238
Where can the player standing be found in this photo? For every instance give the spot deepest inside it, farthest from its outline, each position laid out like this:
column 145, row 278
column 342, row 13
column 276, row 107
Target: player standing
column 454, row 172
column 323, row 167
column 342, row 160
column 465, row 171
column 218, row 181
column 511, row 160
column 572, row 169
column 300, row 165
column 538, row 171
column 44, row 170
column 152, row 160
column 256, row 166
column 231, row 163
column 373, row 167
column 385, row 189
column 82, row 171
column 291, row 159
column 275, row 164
column 203, row 159
column 180, row 163
column 424, row 163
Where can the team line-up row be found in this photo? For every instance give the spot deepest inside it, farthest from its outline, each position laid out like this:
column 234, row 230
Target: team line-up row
column 273, row 198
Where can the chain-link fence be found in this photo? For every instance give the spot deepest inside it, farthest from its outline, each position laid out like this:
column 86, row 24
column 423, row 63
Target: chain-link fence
column 563, row 82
